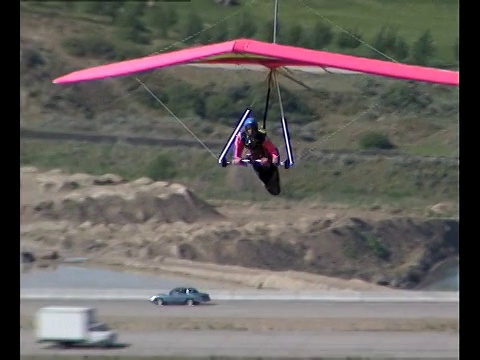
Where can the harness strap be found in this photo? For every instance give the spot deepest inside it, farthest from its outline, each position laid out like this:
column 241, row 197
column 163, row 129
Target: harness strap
column 259, row 138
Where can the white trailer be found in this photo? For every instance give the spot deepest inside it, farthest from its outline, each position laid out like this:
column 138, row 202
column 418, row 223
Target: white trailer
column 70, row 326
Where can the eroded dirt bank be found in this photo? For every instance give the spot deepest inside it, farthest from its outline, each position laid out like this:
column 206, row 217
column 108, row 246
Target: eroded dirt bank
column 163, row 226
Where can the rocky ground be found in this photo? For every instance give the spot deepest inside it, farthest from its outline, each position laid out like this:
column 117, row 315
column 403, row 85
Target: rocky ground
column 159, row 226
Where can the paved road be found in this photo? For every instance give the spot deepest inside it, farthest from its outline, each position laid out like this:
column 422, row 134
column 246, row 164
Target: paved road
column 267, row 343
column 261, row 308
column 292, row 344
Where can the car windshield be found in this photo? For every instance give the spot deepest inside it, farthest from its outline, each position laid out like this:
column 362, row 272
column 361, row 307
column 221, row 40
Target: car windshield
column 178, row 291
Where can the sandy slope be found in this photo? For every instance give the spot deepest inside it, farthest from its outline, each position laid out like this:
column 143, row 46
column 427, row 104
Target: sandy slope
column 159, row 226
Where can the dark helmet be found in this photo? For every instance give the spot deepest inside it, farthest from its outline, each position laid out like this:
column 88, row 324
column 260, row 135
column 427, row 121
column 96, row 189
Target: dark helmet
column 252, row 137
column 251, row 123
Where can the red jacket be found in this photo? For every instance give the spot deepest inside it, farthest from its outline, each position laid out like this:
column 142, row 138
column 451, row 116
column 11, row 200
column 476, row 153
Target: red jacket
column 267, row 145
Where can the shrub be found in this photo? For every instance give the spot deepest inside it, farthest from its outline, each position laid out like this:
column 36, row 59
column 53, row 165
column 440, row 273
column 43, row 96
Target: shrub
column 161, row 168
column 31, row 58
column 160, row 18
column 423, row 49
column 379, row 249
column 405, row 97
column 387, row 41
column 321, row 36
column 244, row 25
column 134, row 34
column 124, row 52
column 297, row 36
column 218, row 107
column 74, row 46
column 89, row 46
column 345, row 40
column 191, row 28
column 375, row 140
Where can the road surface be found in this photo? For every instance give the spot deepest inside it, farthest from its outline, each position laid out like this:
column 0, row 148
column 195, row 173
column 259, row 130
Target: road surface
column 297, row 344
column 260, row 309
column 227, row 342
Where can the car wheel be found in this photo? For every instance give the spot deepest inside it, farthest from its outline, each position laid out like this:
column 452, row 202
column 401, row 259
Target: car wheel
column 190, row 302
column 160, row 302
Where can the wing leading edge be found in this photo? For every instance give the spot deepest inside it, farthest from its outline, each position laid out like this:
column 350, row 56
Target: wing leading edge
column 253, row 52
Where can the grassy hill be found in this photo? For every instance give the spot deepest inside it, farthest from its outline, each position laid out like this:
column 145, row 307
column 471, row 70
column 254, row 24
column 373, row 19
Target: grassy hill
column 418, row 119
column 365, row 17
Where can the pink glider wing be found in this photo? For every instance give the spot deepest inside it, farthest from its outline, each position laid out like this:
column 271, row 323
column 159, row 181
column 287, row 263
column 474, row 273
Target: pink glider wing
column 247, row 51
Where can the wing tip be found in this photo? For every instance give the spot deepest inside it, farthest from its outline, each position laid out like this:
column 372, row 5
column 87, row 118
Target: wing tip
column 66, row 79
column 60, row 80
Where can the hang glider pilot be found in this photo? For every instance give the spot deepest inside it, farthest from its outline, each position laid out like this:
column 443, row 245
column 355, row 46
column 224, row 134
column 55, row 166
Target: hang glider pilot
column 257, row 143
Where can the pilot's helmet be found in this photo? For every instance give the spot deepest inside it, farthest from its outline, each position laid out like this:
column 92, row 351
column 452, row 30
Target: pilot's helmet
column 251, row 125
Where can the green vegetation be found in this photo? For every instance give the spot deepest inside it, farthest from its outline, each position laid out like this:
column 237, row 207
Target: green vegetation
column 401, row 184
column 161, row 167
column 376, row 245
column 430, row 28
column 375, row 140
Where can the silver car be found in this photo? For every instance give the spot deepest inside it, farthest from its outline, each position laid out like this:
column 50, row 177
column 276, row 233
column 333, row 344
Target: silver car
column 181, row 296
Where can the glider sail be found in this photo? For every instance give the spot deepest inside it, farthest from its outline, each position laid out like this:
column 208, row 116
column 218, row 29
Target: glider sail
column 271, row 56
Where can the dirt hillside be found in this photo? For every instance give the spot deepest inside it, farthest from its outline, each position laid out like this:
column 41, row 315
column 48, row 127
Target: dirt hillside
column 153, row 226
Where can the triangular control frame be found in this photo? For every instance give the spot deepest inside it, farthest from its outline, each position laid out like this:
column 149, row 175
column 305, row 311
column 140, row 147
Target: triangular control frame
column 289, row 162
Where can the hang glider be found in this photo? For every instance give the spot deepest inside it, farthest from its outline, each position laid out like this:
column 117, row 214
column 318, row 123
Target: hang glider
column 268, row 55
column 277, row 59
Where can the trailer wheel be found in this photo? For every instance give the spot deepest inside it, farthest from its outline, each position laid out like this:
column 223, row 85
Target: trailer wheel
column 65, row 344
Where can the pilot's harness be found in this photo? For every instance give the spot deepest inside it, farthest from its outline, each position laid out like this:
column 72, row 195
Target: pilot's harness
column 254, row 144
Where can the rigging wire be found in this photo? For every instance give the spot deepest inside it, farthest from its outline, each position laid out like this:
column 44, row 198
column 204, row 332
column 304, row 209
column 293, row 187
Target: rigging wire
column 176, row 117
column 347, row 32
column 275, row 16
